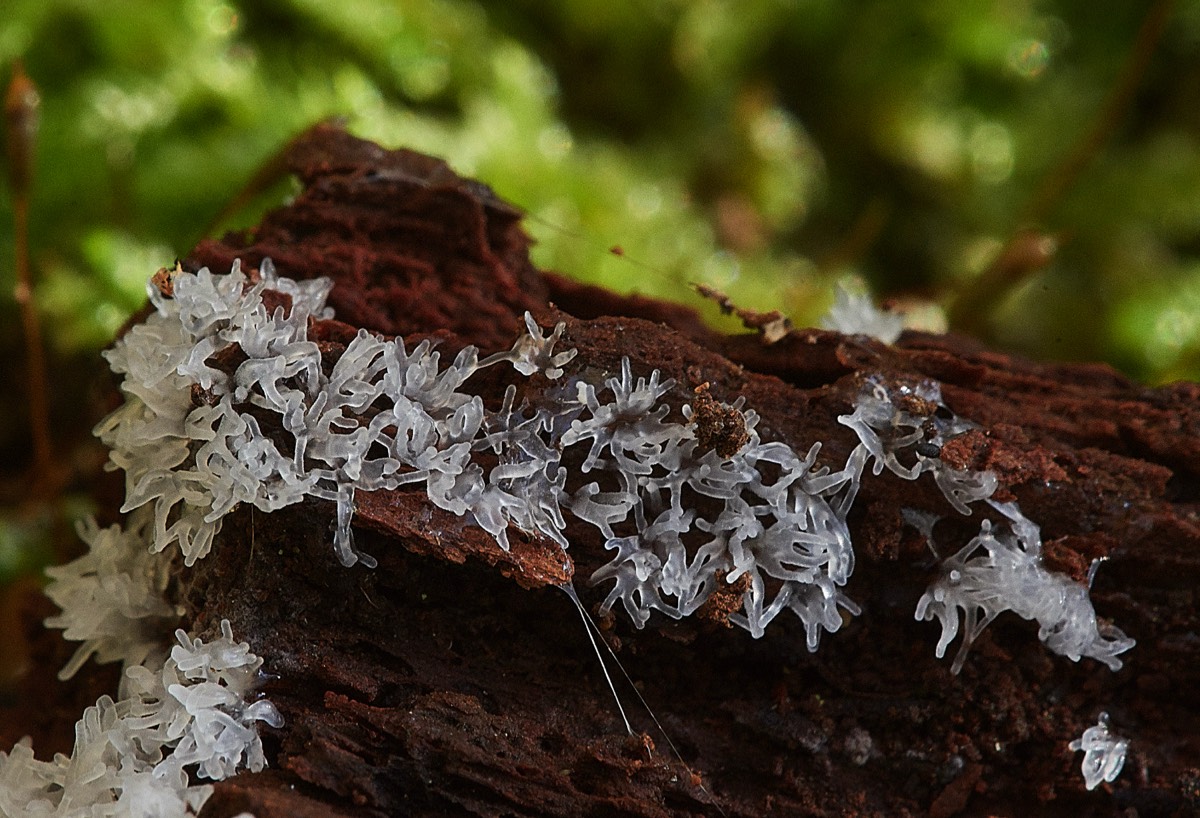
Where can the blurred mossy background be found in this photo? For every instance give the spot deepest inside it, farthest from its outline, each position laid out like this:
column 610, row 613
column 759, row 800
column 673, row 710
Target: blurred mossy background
column 764, row 147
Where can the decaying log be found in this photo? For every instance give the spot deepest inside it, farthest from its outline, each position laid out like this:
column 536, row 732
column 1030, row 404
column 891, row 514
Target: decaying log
column 458, row 679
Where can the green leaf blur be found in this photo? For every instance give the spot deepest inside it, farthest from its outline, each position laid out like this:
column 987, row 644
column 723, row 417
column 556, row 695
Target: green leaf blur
column 764, row 147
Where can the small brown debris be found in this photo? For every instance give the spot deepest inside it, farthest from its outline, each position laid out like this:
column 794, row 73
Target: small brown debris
column 639, row 746
column 203, row 397
column 772, row 326
column 164, row 279
column 914, row 404
column 718, row 427
column 725, row 600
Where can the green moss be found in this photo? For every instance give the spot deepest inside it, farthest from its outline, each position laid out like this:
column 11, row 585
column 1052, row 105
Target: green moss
column 761, row 146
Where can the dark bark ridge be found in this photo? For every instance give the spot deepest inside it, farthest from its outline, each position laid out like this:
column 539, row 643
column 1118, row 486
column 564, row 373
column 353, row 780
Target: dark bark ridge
column 454, row 679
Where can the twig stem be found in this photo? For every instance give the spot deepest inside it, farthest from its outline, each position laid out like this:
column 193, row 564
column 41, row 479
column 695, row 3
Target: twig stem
column 20, row 114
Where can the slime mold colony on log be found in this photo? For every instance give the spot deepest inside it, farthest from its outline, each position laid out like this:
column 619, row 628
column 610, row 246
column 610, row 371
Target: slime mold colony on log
column 356, row 489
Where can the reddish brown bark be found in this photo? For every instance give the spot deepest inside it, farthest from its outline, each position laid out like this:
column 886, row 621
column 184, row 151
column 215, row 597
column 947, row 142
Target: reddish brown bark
column 455, row 679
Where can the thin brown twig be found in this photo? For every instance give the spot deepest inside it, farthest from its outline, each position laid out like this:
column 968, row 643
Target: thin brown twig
column 21, row 118
column 969, row 311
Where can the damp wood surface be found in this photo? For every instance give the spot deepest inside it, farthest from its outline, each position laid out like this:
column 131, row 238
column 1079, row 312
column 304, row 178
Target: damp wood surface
column 457, row 679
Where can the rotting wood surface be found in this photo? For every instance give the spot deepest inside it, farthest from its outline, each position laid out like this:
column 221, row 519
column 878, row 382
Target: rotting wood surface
column 456, row 679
